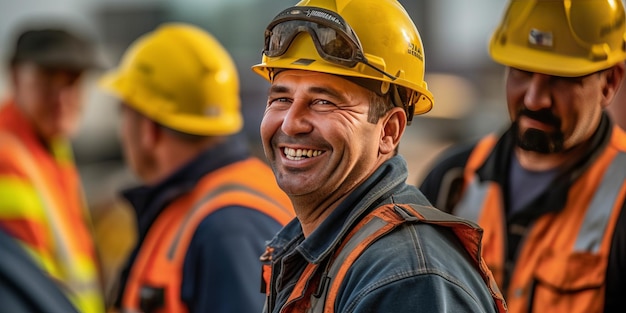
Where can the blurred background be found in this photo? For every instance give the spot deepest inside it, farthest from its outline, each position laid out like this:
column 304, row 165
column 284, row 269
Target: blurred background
column 467, row 85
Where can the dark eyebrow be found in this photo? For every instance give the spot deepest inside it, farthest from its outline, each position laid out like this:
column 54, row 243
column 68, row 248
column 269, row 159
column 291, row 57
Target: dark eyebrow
column 278, row 89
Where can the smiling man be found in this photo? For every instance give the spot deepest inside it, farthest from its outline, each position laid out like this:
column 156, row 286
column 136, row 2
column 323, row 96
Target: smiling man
column 343, row 89
column 550, row 191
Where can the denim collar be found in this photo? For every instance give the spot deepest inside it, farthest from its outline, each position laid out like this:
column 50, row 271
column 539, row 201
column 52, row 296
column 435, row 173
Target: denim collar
column 387, row 179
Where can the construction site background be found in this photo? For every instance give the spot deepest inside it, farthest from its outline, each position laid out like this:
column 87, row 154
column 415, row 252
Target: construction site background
column 467, row 85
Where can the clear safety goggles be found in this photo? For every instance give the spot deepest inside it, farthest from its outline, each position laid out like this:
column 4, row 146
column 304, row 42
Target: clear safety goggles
column 334, row 39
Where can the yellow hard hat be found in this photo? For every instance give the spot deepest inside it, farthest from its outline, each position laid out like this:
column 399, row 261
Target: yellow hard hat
column 371, row 39
column 181, row 77
column 567, row 38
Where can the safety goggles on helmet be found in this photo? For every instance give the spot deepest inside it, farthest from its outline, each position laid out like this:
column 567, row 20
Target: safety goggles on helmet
column 334, row 39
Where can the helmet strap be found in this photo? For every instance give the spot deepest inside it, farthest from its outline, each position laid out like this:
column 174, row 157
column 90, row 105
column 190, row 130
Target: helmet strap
column 369, row 84
column 399, row 97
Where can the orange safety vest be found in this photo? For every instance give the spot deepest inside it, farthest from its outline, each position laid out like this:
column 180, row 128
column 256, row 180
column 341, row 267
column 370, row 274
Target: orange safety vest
column 160, row 259
column 562, row 260
column 42, row 205
column 307, row 296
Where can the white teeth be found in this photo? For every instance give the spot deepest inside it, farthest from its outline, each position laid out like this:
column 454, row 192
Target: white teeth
column 293, row 154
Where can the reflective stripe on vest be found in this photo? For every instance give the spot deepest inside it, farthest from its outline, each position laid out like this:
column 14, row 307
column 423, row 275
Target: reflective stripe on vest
column 595, row 222
column 591, row 232
column 562, row 260
column 369, row 229
column 375, row 225
column 471, row 204
column 61, row 257
column 155, row 277
column 212, row 195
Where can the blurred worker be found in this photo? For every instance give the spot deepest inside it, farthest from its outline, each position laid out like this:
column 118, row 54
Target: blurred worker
column 41, row 199
column 344, row 87
column 550, row 190
column 207, row 207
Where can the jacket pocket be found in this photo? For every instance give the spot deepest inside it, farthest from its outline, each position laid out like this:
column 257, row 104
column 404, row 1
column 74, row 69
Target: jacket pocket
column 569, row 283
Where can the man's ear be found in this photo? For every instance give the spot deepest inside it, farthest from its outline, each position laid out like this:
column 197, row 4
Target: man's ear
column 151, row 133
column 394, row 123
column 613, row 80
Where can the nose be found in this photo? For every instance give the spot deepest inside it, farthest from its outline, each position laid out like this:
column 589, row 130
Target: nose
column 538, row 95
column 297, row 119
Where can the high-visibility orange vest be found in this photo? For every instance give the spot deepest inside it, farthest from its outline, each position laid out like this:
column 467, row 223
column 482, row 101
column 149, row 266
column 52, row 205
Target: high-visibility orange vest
column 375, row 225
column 562, row 260
column 160, row 259
column 42, row 205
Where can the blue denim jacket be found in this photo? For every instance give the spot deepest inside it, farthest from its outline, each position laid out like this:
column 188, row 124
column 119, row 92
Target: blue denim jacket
column 415, row 268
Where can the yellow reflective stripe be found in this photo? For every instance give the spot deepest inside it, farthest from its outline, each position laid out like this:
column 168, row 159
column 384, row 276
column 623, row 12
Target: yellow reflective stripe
column 19, row 199
column 62, row 151
column 81, row 281
column 44, row 260
column 83, row 291
column 88, row 302
column 84, row 266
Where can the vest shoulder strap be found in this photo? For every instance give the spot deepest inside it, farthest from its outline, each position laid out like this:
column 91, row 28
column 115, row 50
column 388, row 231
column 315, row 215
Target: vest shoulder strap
column 372, row 227
column 200, row 209
column 380, row 222
column 180, row 226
